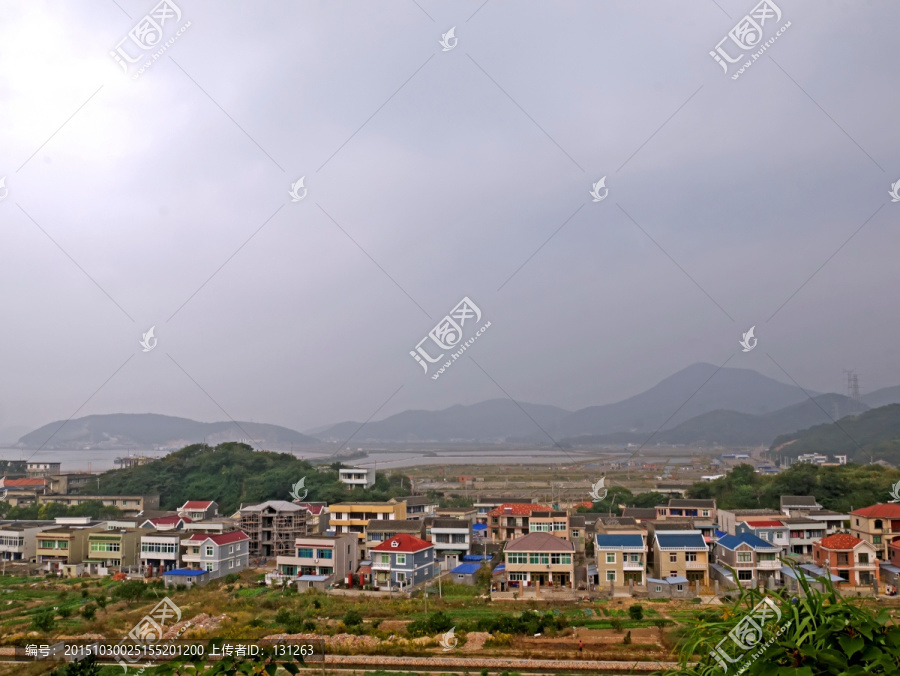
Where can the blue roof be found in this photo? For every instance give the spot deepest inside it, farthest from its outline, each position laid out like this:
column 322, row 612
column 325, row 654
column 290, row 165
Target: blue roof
column 477, row 557
column 669, row 580
column 818, row 571
column 733, row 541
column 313, row 578
column 610, row 541
column 466, row 569
column 681, row 541
column 185, row 571
column 499, row 569
column 479, row 526
column 720, row 533
column 884, row 565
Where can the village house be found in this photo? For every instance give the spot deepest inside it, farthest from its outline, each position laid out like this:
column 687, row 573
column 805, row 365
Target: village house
column 419, row 506
column 512, row 520
column 621, row 558
column 803, row 532
column 218, row 553
column 355, row 517
column 160, row 552
column 316, row 517
column 18, row 539
column 755, row 560
column 380, row 530
column 851, row 558
column 681, row 507
column 273, row 526
column 878, row 525
column 540, row 559
column 111, row 551
column 165, row 523
column 729, row 518
column 357, row 477
column 484, row 505
column 681, row 553
column 130, row 505
column 402, row 562
column 320, row 560
column 770, row 530
column 199, row 510
column 640, row 514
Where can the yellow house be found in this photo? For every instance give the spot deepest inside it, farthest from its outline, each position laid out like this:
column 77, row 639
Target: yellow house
column 354, row 517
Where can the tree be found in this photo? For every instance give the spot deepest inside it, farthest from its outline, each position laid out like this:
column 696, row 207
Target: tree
column 89, row 612
column 352, row 618
column 131, row 592
column 636, row 612
column 43, row 621
column 86, row 667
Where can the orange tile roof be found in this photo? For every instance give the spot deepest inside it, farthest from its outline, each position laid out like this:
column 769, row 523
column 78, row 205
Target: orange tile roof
column 765, row 524
column 518, row 509
column 405, row 543
column 23, row 482
column 839, row 541
column 887, row 511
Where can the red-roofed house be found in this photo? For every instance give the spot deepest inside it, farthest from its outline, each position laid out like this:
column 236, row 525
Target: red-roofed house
column 878, row 524
column 847, row 556
column 171, row 522
column 22, row 491
column 511, row 520
column 219, row 553
column 402, row 561
column 198, row 510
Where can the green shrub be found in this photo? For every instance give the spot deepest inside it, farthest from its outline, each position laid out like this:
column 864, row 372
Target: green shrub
column 131, row 591
column 352, row 618
column 636, row 612
column 616, row 624
column 89, row 612
column 85, row 593
column 43, row 621
column 627, row 639
column 231, row 578
column 101, row 601
column 65, row 612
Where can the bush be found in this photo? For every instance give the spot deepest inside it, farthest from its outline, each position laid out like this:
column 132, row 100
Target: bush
column 627, row 639
column 89, row 612
column 352, row 618
column 85, row 593
column 101, row 601
column 436, row 623
column 43, row 621
column 131, row 592
column 636, row 612
column 231, row 578
column 65, row 612
column 616, row 624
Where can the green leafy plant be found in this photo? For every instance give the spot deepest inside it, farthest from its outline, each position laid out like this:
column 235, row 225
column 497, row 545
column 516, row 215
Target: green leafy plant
column 43, row 621
column 636, row 612
column 89, row 612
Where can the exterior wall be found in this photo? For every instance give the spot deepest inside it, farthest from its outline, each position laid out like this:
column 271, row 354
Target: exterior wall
column 415, row 568
column 540, row 568
column 753, row 572
column 879, row 532
column 457, row 539
column 20, row 544
column 160, row 560
column 343, row 553
column 664, row 567
column 219, row 560
column 354, row 518
column 850, row 564
column 621, row 566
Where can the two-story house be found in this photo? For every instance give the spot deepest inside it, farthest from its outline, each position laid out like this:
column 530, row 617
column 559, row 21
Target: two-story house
column 755, row 560
column 160, row 552
column 512, row 520
column 199, row 510
column 729, row 518
column 218, row 553
column 169, row 522
column 879, row 525
column 357, row 477
column 803, row 532
column 555, row 522
column 485, row 505
column 355, row 517
column 18, row 539
column 540, row 559
column 322, row 559
column 681, row 507
column 850, row 558
column 111, row 550
column 273, row 526
column 681, row 553
column 450, row 536
column 621, row 558
column 402, row 562
column 380, row 530
column 419, row 506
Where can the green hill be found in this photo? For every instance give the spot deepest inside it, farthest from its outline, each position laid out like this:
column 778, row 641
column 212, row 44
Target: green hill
column 232, row 473
column 870, row 436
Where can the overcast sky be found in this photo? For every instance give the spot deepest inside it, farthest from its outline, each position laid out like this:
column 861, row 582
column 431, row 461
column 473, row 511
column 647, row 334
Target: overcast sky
column 431, row 175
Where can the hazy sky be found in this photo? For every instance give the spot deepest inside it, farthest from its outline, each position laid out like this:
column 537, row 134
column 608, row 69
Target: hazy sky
column 433, row 175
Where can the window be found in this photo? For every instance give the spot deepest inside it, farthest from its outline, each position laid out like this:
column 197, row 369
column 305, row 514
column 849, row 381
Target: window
column 231, row 564
column 518, row 576
column 401, row 559
column 104, row 546
column 575, row 533
column 557, row 559
column 635, row 558
column 324, row 553
column 401, row 577
column 745, row 575
column 659, row 588
column 538, row 559
column 673, row 573
column 679, row 587
column 878, row 524
column 764, row 536
column 863, row 557
column 876, row 539
column 231, row 549
column 610, row 557
column 517, row 557
column 744, row 557
column 673, row 558
column 610, row 576
column 705, row 512
column 690, row 556
column 779, row 535
column 209, row 550
column 386, row 558
column 209, row 566
column 304, row 552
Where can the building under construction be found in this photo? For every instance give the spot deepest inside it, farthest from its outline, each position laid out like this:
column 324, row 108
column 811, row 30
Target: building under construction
column 273, row 526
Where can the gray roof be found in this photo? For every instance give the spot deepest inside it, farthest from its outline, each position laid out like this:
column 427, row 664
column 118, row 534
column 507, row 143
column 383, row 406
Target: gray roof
column 417, row 500
column 499, row 501
column 608, row 521
column 394, row 526
column 576, row 521
column 277, row 505
column 802, row 501
column 752, row 512
column 548, row 514
column 540, row 542
column 451, row 523
column 640, row 512
column 699, row 504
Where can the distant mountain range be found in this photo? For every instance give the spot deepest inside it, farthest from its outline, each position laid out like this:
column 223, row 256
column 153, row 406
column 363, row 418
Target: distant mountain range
column 149, row 430
column 701, row 404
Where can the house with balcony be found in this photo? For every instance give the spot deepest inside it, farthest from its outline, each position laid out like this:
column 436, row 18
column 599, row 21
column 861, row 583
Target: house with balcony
column 755, row 560
column 852, row 559
column 540, row 559
column 320, row 560
column 834, row 522
column 802, row 533
column 111, row 551
column 130, row 505
column 466, row 513
column 357, row 477
column 419, row 506
column 555, row 522
column 452, row 540
column 273, row 526
column 621, row 559
column 160, row 552
column 729, row 518
column 199, row 510
column 484, row 505
column 772, row 531
column 380, row 530
column 879, row 525
column 402, row 562
column 316, row 516
column 218, row 553
column 687, row 508
column 681, row 553
column 355, row 517
column 512, row 520
column 18, row 539
column 65, row 544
